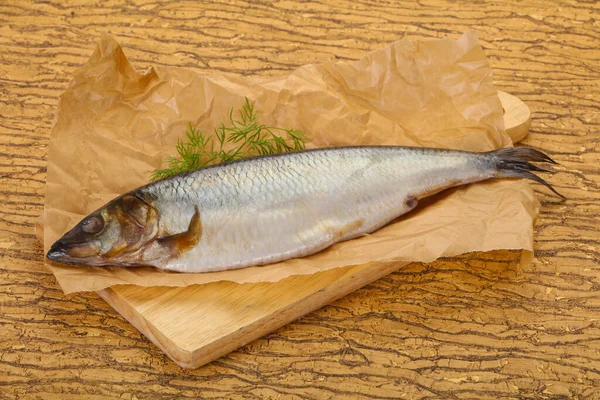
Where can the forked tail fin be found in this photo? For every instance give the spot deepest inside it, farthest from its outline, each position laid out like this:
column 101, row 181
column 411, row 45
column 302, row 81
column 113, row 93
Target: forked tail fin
column 515, row 163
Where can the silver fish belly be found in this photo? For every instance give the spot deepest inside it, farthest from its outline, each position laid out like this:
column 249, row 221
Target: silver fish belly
column 272, row 208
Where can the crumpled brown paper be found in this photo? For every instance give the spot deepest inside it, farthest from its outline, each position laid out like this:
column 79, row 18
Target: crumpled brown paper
column 115, row 126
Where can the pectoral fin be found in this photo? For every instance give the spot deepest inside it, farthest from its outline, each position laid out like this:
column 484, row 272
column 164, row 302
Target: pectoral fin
column 184, row 241
column 342, row 231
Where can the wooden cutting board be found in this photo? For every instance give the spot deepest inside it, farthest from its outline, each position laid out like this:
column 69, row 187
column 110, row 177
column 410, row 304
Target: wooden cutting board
column 196, row 324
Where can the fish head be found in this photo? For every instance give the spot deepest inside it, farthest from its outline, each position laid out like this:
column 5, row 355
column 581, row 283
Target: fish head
column 116, row 234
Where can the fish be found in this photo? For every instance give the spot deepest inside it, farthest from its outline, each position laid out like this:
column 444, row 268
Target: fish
column 272, row 208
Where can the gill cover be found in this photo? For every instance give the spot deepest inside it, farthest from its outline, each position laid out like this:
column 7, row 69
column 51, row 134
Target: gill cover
column 138, row 223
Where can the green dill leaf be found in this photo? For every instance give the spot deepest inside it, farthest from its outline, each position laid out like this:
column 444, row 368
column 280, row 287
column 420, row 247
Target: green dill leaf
column 235, row 140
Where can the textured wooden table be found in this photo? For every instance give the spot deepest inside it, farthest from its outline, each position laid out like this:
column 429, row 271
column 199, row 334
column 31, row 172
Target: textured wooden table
column 476, row 326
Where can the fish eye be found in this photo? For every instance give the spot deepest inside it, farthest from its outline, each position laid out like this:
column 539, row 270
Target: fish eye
column 92, row 224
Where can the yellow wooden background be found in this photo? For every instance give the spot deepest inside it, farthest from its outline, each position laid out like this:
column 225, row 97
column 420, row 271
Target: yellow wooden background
column 475, row 326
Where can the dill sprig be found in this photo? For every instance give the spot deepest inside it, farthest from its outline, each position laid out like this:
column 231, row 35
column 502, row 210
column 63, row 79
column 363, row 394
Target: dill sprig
column 240, row 138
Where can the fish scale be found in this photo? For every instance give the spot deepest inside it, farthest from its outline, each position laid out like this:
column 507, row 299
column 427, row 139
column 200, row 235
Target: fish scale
column 272, row 208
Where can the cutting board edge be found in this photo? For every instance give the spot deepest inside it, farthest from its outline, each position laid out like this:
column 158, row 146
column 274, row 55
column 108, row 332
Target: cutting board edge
column 179, row 355
column 339, row 288
column 357, row 277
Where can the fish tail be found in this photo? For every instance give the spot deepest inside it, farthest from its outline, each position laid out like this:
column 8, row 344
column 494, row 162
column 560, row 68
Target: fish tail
column 515, row 163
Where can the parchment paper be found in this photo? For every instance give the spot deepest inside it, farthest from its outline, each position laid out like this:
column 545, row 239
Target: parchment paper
column 115, row 126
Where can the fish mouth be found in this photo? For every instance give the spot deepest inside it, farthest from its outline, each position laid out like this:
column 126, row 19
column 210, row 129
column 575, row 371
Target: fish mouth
column 71, row 253
column 56, row 252
column 83, row 254
column 59, row 252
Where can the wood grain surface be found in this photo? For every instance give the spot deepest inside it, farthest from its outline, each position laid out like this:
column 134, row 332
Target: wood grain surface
column 478, row 326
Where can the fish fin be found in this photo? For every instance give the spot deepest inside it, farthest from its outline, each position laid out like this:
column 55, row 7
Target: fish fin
column 515, row 163
column 411, row 202
column 184, row 241
column 522, row 154
column 346, row 228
